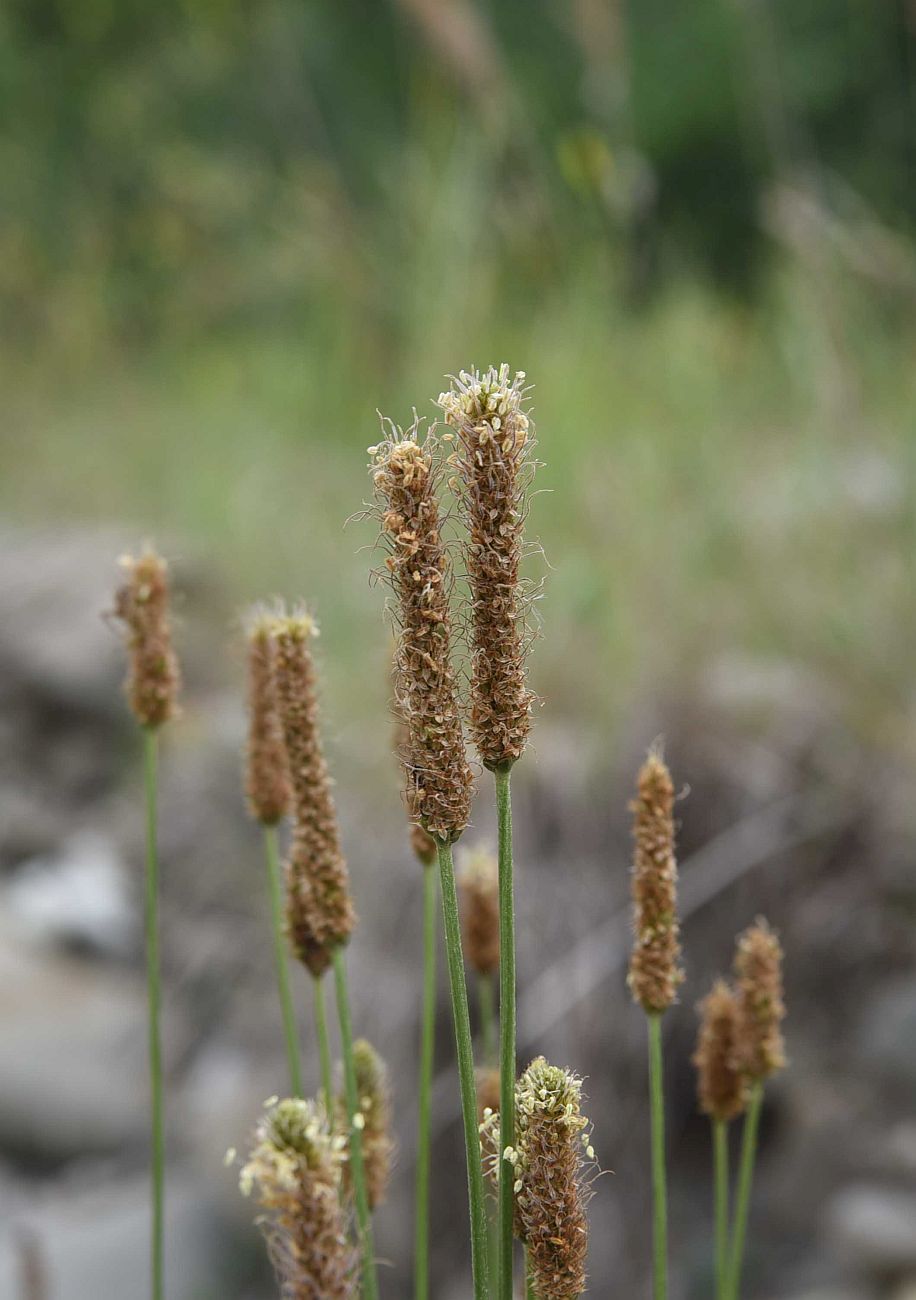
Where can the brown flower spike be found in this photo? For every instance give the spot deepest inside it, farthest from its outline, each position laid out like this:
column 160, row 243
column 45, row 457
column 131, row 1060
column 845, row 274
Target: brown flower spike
column 494, row 469
column 295, row 1173
column 654, row 971
column 319, row 908
column 552, row 1146
column 439, row 779
column 761, row 1009
column 479, row 885
column 267, row 777
column 374, row 1094
column 720, row 1084
column 142, row 605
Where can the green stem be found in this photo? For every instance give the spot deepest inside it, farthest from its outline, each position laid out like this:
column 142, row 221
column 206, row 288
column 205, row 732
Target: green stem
column 743, row 1194
column 357, row 1168
column 324, row 1042
column 286, row 999
column 150, row 756
column 487, row 1018
column 659, row 1187
column 427, row 1053
column 465, row 1051
column 507, row 1068
column 720, row 1163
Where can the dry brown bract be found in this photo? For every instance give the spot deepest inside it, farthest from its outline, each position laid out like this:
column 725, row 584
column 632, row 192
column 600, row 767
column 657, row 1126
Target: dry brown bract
column 494, row 469
column 720, row 1084
column 267, row 778
column 654, row 971
column 374, row 1094
column 142, row 605
column 549, row 1160
column 439, row 779
column 295, row 1173
column 319, row 909
column 479, row 885
column 761, row 1009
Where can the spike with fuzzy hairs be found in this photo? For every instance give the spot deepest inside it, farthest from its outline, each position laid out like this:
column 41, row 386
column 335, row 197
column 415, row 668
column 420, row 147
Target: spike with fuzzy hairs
column 295, row 1173
column 142, row 605
column 320, row 915
column 375, row 1108
column 477, row 881
column 439, row 779
column 267, row 776
column 720, row 1085
column 761, row 1009
column 494, row 467
column 655, row 974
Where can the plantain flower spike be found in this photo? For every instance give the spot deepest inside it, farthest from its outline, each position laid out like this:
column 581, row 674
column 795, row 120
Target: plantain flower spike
column 655, row 973
column 479, row 885
column 267, row 776
column 439, row 778
column 142, row 605
column 374, row 1094
column 295, row 1173
column 550, row 1160
column 319, row 908
column 721, row 1086
column 422, row 843
column 494, row 465
column 761, row 1009
column 488, row 1122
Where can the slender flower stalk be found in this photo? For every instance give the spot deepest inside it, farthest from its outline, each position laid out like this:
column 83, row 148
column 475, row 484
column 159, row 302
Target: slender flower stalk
column 427, row 1060
column 439, row 779
column 478, row 885
column 760, row 1053
column 267, row 787
column 494, row 468
column 295, row 1172
column 655, row 972
column 142, row 605
column 322, row 1038
column 722, row 1093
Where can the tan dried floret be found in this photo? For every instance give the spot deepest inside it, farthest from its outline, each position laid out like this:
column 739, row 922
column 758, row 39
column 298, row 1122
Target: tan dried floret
column 295, row 1173
column 721, row 1086
column 655, row 973
column 142, row 605
column 761, row 1009
column 374, row 1093
column 439, row 779
column 494, row 467
column 319, row 907
column 478, row 882
column 267, row 776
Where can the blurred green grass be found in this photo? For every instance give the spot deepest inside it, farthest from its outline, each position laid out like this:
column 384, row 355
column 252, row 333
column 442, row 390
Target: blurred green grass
column 717, row 478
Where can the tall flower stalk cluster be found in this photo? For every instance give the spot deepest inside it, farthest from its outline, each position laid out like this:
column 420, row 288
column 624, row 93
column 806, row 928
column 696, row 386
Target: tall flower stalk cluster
column 319, row 1166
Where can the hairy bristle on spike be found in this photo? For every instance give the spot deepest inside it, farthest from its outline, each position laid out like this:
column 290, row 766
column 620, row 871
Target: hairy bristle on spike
column 267, row 776
column 721, row 1087
column 761, row 1009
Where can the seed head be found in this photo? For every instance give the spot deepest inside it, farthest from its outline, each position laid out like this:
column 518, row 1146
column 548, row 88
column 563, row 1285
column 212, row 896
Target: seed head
column 654, row 971
column 422, row 843
column 439, row 780
column 494, row 470
column 720, row 1084
column 374, row 1094
column 319, row 909
column 761, row 1009
column 295, row 1173
column 479, row 885
column 267, row 776
column 551, row 1154
column 142, row 605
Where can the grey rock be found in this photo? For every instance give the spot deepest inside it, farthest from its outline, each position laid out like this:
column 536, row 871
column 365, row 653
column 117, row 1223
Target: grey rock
column 874, row 1227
